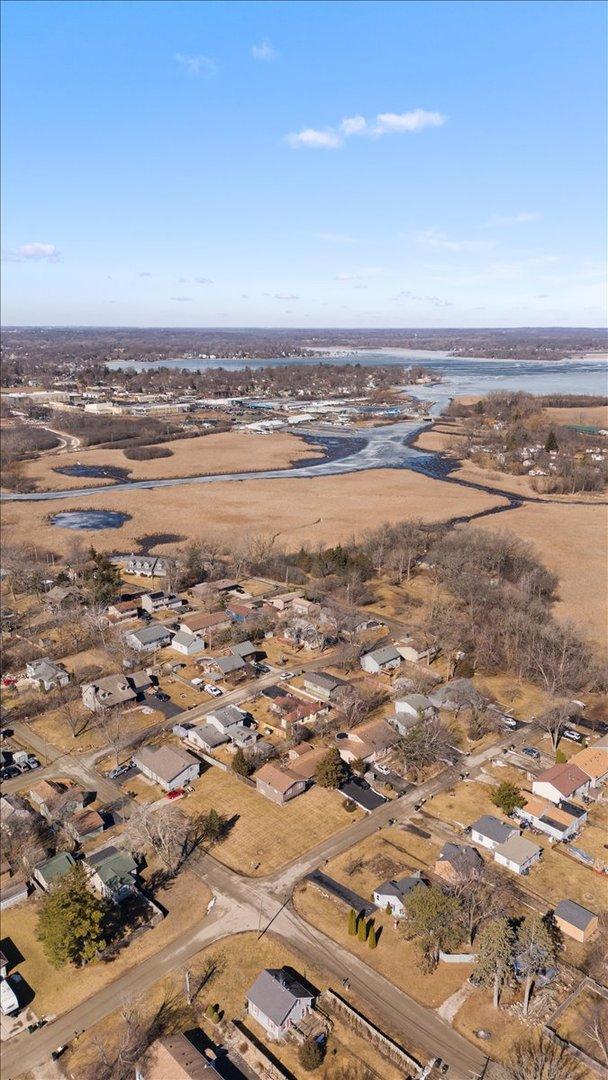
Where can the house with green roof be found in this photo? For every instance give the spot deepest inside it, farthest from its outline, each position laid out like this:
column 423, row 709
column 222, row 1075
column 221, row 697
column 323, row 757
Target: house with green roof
column 47, row 873
column 113, row 873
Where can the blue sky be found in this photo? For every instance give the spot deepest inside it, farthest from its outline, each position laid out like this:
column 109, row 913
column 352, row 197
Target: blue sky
column 304, row 164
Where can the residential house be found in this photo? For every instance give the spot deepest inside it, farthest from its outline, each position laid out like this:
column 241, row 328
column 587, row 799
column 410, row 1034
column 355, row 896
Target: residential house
column 302, row 760
column 457, row 862
column 301, row 606
column 392, row 894
column 47, row 873
column 323, row 686
column 12, row 894
column 205, row 589
column 14, row 812
column 517, row 854
column 380, row 661
column 278, row 1001
column 245, row 649
column 206, row 737
column 145, row 566
column 283, row 601
column 85, row 824
column 227, row 717
column 52, row 799
column 575, row 921
column 355, row 623
column 167, row 766
column 593, row 761
column 302, row 634
column 159, row 601
column 174, row 1057
column 490, row 832
column 122, row 610
column 205, row 624
column 368, row 742
column 63, row 596
column 149, row 638
column 108, row 692
column 278, row 783
column 113, row 873
column 240, row 610
column 561, row 782
column 417, row 706
column 46, row 675
column 187, row 644
column 416, row 651
column 457, row 694
column 560, row 821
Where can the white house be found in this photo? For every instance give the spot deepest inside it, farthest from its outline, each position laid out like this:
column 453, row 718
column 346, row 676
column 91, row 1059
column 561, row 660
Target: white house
column 187, row 644
column 491, row 832
column 386, row 658
column 517, row 854
column 391, row 894
column 278, row 1001
column 149, row 638
column 559, row 821
column 45, row 674
column 415, row 705
column 167, row 766
column 561, row 782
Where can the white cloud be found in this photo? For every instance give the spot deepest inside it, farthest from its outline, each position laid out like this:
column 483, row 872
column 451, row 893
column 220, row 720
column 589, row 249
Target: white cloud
column 314, row 139
column 431, row 301
column 145, row 273
column 197, row 65
column 35, row 252
column 498, row 220
column 384, row 124
column 182, row 299
column 353, row 125
column 264, row 51
column 286, row 296
column 203, row 280
column 436, row 238
column 398, row 123
column 348, row 277
column 337, row 238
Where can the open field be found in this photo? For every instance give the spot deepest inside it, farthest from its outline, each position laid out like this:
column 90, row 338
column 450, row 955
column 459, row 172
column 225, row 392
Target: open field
column 58, row 989
column 573, row 542
column 322, row 510
column 462, row 804
column 389, row 853
column 265, row 836
column 230, row 451
column 239, row 961
column 589, row 416
column 396, row 958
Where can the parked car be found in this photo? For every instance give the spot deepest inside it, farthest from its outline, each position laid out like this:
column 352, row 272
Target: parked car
column 120, row 770
column 161, row 696
column 262, row 668
column 209, row 688
column 287, row 675
column 509, row 722
column 531, row 751
column 176, row 794
column 574, row 736
column 382, row 769
column 9, row 772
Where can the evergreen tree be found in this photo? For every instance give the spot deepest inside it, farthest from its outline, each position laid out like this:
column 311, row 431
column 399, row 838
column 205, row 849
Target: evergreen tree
column 507, row 796
column 551, row 443
column 362, row 928
column 372, row 937
column 536, row 948
column 101, row 578
column 495, row 949
column 311, row 1055
column 71, row 920
column 331, row 770
column 352, row 922
column 241, row 765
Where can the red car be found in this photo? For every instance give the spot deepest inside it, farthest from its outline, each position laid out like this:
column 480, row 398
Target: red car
column 177, row 794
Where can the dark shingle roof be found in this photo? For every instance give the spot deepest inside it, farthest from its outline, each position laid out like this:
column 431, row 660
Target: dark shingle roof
column 575, row 914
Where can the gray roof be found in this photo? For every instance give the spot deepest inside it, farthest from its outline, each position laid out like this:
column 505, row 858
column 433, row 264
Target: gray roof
column 210, row 735
column 166, row 762
column 417, row 701
column 228, row 664
column 149, row 634
column 575, row 914
column 518, row 850
column 275, row 993
column 243, row 648
column 322, row 679
column 401, row 887
column 227, row 716
column 185, row 637
column 462, row 857
column 493, row 828
column 460, row 691
column 385, row 654
column 45, row 668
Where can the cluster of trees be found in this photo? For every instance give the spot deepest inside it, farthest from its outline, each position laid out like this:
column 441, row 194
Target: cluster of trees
column 363, row 929
column 501, row 612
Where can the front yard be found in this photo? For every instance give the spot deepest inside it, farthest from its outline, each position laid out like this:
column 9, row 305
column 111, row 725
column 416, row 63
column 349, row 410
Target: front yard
column 391, row 852
column 264, row 836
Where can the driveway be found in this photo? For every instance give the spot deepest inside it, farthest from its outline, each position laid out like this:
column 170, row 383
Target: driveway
column 341, row 892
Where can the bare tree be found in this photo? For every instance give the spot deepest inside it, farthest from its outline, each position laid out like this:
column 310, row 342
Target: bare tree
column 424, row 744
column 162, row 830
column 482, row 895
column 111, row 724
column 596, row 1026
column 554, row 722
column 538, row 1057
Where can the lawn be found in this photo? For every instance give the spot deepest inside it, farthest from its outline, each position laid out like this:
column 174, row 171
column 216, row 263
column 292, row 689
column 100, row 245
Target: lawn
column 53, row 727
column 263, row 835
column 558, row 875
column 593, row 837
column 239, row 961
column 478, row 1014
column 395, row 958
column 388, row 853
column 462, row 804
column 58, row 989
column 573, row 1022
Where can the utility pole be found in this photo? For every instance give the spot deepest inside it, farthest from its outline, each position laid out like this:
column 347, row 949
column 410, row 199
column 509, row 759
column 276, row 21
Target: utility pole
column 187, row 986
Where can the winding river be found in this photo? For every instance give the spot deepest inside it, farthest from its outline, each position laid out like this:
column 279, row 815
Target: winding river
column 385, row 446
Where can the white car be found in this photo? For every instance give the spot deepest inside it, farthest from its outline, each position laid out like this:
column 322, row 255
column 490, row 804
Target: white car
column 384, row 770
column 215, row 691
column 287, row 675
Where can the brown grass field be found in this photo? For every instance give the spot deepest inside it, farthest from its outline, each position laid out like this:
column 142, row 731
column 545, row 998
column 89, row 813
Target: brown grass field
column 322, row 510
column 231, row 451
column 265, row 836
